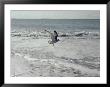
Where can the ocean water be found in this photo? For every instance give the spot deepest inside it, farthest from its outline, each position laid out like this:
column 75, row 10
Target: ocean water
column 76, row 54
column 60, row 25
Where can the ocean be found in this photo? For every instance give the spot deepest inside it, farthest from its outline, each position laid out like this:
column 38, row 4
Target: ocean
column 76, row 54
column 60, row 25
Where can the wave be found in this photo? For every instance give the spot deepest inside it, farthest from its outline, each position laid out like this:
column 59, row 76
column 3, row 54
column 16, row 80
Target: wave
column 60, row 34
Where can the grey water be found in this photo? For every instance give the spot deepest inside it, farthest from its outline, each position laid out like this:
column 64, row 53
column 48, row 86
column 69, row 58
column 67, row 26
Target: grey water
column 63, row 25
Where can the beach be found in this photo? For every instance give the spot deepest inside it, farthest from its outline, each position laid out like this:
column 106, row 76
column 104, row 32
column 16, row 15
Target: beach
column 76, row 54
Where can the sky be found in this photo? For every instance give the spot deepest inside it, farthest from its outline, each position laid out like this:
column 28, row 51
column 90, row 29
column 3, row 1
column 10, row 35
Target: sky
column 55, row 14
